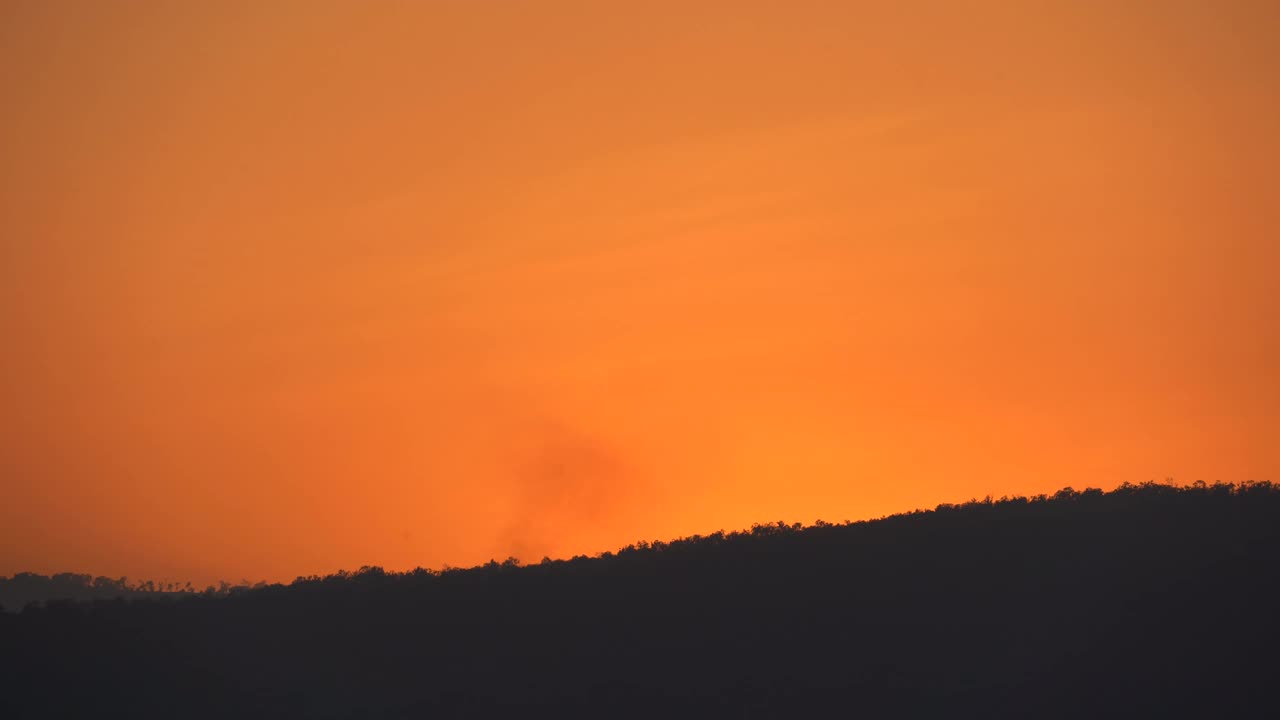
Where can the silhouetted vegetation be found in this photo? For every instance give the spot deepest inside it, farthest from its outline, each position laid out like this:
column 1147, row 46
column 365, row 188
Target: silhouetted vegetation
column 1148, row 601
column 25, row 588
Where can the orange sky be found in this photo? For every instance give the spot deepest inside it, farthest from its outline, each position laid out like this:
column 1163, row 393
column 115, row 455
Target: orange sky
column 291, row 287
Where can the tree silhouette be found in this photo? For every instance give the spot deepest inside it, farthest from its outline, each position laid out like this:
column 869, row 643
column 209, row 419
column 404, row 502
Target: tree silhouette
column 1148, row 601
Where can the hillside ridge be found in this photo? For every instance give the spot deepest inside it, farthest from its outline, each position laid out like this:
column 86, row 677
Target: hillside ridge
column 1147, row 600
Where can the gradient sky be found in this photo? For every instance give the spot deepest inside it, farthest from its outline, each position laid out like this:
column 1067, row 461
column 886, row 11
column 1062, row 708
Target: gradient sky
column 292, row 287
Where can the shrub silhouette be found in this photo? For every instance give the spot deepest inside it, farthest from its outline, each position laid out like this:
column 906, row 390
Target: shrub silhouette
column 1147, row 601
column 25, row 588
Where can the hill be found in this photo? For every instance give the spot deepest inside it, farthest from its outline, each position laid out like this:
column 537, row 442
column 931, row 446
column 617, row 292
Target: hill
column 25, row 588
column 1148, row 601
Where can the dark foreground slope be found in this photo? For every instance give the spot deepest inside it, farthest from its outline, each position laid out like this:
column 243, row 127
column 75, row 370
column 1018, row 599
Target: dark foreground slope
column 1144, row 602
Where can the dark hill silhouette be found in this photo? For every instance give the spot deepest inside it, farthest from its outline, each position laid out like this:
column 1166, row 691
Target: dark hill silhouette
column 1149, row 601
column 25, row 588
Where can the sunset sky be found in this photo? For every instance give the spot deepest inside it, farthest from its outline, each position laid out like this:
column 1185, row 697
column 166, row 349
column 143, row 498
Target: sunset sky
column 288, row 287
